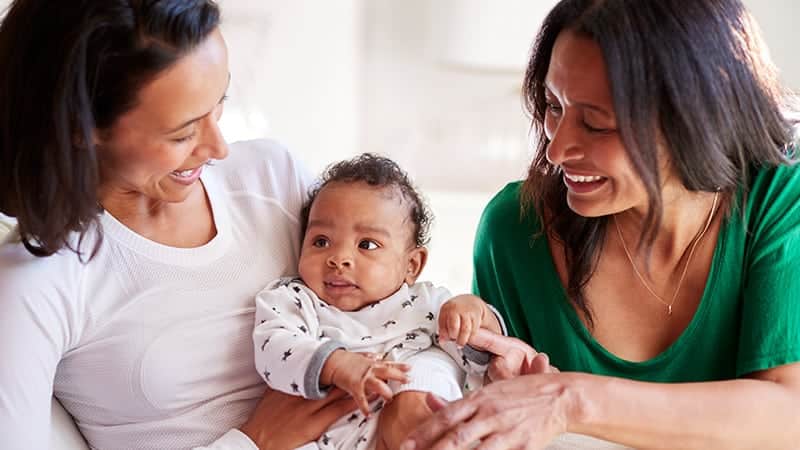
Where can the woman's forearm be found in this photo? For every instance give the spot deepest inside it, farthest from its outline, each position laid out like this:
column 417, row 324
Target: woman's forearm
column 736, row 414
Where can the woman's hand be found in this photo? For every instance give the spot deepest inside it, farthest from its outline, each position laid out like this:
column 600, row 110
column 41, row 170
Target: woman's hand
column 512, row 356
column 283, row 422
column 526, row 412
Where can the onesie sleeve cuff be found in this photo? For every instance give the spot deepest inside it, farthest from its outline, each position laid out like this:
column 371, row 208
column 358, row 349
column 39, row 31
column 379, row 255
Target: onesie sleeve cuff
column 499, row 319
column 311, row 385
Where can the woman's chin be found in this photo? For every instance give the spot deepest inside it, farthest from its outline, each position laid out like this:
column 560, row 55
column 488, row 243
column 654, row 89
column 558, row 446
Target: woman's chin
column 587, row 209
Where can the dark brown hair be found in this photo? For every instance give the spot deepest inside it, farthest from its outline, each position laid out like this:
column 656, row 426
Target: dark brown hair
column 688, row 73
column 376, row 171
column 68, row 69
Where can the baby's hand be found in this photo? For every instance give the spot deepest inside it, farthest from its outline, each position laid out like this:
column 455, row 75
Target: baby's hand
column 461, row 316
column 363, row 376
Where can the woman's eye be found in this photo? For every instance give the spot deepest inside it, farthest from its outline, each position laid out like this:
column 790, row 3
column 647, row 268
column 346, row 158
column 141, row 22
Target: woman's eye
column 553, row 108
column 320, row 243
column 184, row 138
column 366, row 244
column 592, row 129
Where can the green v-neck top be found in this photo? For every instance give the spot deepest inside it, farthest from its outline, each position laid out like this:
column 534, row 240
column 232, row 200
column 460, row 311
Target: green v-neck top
column 748, row 318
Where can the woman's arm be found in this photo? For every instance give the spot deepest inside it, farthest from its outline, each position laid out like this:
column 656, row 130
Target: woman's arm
column 284, row 422
column 37, row 328
column 529, row 411
column 759, row 412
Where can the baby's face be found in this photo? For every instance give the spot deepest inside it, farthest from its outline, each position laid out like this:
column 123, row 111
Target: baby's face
column 358, row 247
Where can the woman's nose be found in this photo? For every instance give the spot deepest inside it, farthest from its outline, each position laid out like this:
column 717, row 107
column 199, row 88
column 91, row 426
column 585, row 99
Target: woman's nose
column 212, row 142
column 565, row 144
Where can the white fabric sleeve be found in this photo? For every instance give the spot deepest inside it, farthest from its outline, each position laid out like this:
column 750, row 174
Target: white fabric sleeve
column 33, row 337
column 289, row 351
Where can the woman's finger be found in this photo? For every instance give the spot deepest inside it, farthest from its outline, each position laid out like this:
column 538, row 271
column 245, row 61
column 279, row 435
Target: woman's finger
column 434, row 402
column 442, row 421
column 539, row 364
column 499, row 369
column 498, row 344
column 495, row 442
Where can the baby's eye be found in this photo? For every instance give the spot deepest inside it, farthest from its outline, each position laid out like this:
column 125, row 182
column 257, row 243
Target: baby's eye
column 320, row 242
column 367, row 244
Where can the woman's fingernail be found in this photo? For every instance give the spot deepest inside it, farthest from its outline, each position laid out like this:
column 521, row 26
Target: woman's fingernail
column 408, row 445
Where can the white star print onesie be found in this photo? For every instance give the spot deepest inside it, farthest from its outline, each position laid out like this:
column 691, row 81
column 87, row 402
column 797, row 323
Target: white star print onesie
column 296, row 332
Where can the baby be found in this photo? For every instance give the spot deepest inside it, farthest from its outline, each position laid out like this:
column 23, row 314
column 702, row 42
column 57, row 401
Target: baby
column 357, row 319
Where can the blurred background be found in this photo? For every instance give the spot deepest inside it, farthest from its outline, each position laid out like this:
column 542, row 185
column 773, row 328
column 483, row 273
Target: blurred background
column 433, row 84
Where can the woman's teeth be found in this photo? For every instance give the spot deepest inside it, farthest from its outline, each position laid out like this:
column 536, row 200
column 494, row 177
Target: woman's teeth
column 184, row 173
column 583, row 179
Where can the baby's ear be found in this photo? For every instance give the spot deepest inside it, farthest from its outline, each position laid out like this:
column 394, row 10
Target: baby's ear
column 417, row 257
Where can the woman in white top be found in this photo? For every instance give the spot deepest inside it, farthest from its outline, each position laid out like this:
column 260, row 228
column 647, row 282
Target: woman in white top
column 127, row 287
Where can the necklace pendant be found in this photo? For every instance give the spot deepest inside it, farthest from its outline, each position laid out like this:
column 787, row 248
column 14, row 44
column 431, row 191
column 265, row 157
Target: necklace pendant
column 669, row 310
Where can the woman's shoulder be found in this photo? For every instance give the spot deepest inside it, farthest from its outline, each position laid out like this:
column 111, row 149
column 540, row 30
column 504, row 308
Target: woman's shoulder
column 18, row 264
column 774, row 189
column 772, row 202
column 263, row 167
column 32, row 285
column 265, row 170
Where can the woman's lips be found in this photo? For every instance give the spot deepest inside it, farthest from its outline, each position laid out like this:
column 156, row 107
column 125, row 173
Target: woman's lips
column 583, row 184
column 186, row 177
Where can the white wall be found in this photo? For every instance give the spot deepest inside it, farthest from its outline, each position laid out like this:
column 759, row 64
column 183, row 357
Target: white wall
column 778, row 21
column 296, row 75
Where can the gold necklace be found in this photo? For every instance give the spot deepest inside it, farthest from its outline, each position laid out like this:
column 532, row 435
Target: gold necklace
column 695, row 241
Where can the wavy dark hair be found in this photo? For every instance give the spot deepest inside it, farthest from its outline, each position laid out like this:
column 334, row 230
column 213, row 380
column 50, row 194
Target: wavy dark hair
column 376, row 171
column 67, row 70
column 691, row 74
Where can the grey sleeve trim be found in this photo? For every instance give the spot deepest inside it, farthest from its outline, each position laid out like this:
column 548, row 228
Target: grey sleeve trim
column 479, row 357
column 311, row 382
column 499, row 319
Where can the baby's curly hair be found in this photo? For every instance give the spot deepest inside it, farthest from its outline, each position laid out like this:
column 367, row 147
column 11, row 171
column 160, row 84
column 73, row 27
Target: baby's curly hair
column 377, row 171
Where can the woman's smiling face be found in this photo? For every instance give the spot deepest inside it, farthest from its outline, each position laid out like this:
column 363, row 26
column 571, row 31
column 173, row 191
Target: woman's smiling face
column 581, row 126
column 158, row 149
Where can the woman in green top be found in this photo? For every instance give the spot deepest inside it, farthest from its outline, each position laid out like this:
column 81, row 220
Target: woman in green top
column 653, row 252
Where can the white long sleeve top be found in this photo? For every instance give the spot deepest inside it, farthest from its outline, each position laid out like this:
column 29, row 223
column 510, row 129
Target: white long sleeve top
column 149, row 346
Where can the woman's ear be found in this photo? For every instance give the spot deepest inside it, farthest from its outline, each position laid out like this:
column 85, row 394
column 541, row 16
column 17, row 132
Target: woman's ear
column 417, row 258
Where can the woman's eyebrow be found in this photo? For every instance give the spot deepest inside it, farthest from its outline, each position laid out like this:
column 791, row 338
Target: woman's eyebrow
column 586, row 105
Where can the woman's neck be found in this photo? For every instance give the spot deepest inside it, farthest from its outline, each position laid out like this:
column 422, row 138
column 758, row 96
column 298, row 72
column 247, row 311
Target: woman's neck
column 187, row 224
column 684, row 215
